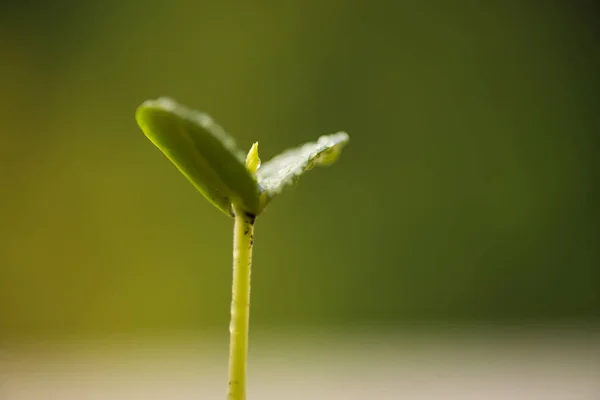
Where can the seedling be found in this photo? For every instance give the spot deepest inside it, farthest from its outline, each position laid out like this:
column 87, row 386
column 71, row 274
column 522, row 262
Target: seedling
column 238, row 186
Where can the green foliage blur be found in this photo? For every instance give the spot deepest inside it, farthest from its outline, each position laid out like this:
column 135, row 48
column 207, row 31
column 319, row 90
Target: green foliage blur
column 468, row 192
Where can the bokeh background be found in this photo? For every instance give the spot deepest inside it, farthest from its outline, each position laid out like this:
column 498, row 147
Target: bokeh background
column 467, row 197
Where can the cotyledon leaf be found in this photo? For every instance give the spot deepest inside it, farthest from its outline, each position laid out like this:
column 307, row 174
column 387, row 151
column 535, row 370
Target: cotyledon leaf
column 203, row 152
column 285, row 169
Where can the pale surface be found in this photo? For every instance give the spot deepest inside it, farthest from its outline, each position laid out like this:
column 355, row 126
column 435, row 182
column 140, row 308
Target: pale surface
column 548, row 366
column 286, row 168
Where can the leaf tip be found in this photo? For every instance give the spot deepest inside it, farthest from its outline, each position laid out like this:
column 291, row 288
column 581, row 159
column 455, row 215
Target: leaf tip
column 329, row 148
column 148, row 109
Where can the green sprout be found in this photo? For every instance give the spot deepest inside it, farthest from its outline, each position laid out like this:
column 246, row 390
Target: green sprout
column 237, row 185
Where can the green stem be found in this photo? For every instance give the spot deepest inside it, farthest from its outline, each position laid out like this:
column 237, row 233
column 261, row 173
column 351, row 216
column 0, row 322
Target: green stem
column 243, row 239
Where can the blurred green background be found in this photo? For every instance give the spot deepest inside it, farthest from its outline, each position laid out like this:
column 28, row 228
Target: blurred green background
column 468, row 193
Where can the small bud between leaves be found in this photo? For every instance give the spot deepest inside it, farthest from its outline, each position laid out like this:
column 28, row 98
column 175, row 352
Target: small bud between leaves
column 252, row 159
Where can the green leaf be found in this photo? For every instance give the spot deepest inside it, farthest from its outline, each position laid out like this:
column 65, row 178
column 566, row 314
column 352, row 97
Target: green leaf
column 202, row 151
column 285, row 169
